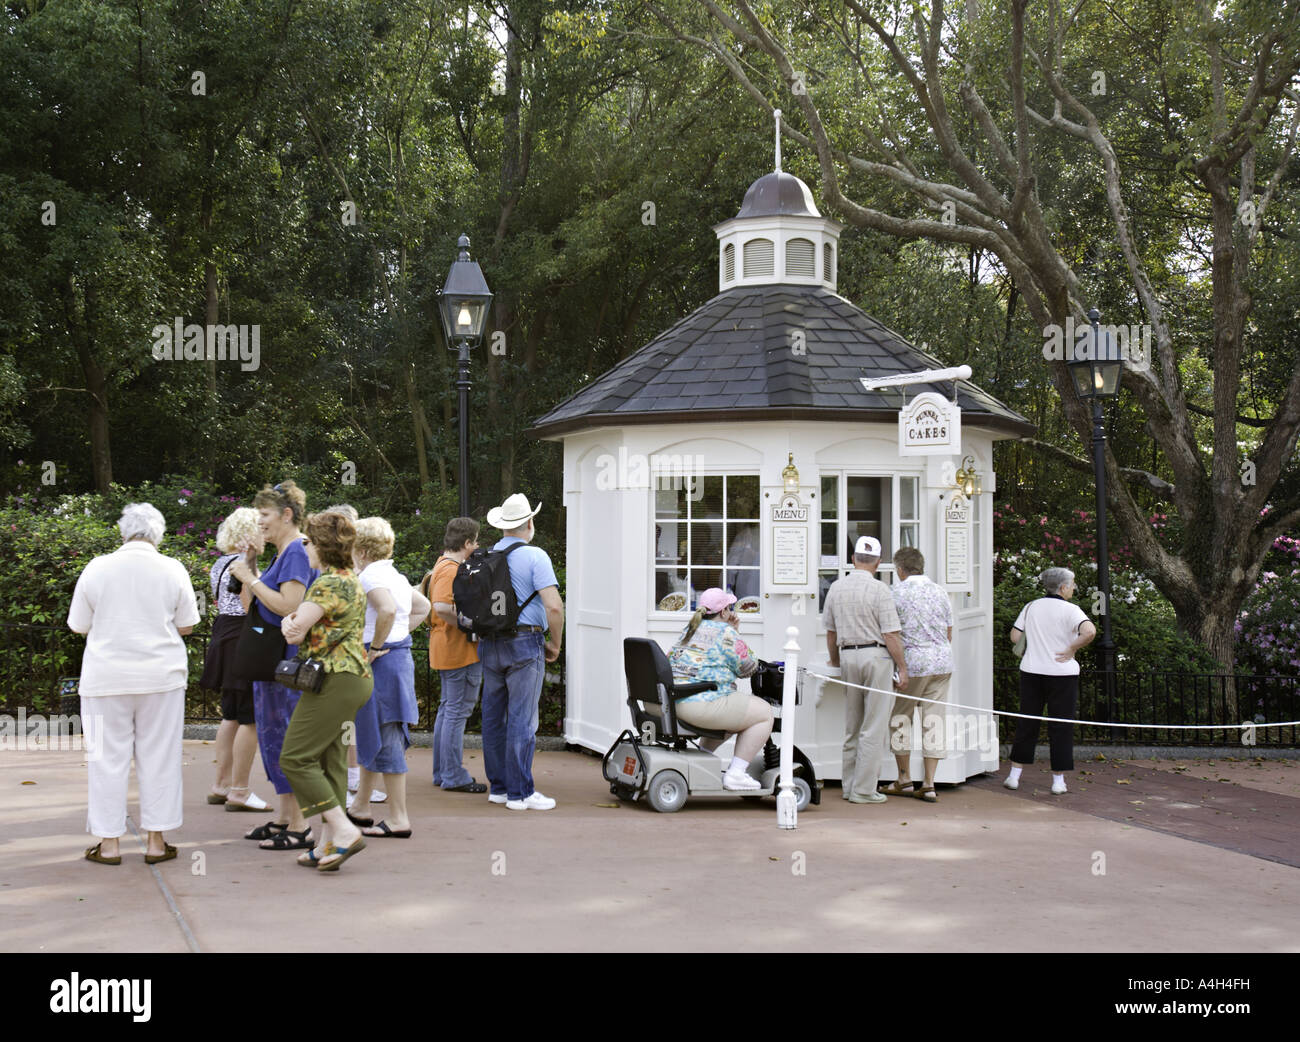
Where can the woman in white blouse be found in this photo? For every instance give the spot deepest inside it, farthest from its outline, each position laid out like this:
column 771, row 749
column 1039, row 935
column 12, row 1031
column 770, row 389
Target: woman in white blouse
column 1054, row 630
column 134, row 606
column 393, row 609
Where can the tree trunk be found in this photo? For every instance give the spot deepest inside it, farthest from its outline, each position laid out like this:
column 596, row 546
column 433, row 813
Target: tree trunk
column 78, row 321
column 209, row 432
column 418, row 426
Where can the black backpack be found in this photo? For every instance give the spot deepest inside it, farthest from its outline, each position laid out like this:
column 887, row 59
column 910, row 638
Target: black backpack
column 485, row 598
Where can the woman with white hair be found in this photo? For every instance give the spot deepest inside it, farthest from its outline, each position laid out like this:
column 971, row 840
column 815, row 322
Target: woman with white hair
column 134, row 606
column 393, row 609
column 1053, row 630
column 238, row 536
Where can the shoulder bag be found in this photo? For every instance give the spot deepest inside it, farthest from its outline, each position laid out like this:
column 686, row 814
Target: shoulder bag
column 261, row 645
column 1022, row 645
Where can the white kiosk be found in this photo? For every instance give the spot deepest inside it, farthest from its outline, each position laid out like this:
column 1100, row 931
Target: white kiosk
column 740, row 449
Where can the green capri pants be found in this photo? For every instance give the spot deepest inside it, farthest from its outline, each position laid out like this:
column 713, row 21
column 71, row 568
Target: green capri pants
column 314, row 758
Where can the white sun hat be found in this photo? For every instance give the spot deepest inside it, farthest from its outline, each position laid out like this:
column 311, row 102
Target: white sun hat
column 512, row 513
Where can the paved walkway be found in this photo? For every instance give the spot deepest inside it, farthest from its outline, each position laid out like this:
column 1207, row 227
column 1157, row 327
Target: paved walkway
column 1183, row 800
column 983, row 870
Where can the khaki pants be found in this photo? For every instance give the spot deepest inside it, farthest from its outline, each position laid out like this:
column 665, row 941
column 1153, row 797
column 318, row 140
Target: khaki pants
column 934, row 718
column 866, row 717
column 314, row 759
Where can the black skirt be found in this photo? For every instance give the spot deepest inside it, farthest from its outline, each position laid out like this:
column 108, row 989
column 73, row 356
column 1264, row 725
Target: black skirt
column 218, row 674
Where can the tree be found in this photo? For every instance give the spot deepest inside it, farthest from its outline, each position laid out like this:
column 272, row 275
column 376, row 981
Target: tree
column 1170, row 134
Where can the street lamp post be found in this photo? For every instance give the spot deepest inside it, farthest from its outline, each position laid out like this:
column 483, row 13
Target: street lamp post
column 463, row 304
column 1095, row 371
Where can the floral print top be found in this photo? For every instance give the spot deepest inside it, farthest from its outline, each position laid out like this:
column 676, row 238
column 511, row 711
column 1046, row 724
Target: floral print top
column 925, row 613
column 714, row 653
column 336, row 639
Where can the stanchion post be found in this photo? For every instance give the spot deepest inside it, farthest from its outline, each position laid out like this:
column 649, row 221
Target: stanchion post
column 787, row 803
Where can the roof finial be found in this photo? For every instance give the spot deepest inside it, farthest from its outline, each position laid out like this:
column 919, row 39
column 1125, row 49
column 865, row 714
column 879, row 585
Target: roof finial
column 777, row 113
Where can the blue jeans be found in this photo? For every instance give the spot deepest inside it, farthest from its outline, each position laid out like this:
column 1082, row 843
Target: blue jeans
column 273, row 706
column 459, row 693
column 512, row 689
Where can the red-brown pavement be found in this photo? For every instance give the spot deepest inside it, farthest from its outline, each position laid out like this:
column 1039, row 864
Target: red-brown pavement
column 981, row 870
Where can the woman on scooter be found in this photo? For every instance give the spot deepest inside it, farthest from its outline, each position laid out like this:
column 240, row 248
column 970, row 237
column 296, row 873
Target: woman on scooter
column 710, row 650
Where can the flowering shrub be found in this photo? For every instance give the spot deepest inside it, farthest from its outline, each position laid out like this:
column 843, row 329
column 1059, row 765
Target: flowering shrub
column 1268, row 629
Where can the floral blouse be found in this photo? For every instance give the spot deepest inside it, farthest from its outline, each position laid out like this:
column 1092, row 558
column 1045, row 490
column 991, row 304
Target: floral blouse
column 336, row 639
column 714, row 653
column 227, row 603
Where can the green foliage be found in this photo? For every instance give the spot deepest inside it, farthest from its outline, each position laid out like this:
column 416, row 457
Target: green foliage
column 1268, row 629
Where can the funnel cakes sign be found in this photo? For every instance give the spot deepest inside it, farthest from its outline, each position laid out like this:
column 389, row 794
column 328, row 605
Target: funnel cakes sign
column 929, row 425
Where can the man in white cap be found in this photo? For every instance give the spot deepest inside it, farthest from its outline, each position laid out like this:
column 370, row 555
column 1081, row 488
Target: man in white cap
column 863, row 638
column 513, row 666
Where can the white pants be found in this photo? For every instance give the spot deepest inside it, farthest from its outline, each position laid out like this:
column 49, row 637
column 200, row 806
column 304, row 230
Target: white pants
column 148, row 727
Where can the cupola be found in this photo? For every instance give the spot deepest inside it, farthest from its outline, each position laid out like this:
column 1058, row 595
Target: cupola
column 778, row 237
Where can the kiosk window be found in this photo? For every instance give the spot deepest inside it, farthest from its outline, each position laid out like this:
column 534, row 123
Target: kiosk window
column 855, row 505
column 706, row 535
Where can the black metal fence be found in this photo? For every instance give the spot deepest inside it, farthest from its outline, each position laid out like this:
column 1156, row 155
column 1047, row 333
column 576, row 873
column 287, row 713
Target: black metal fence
column 1183, row 699
column 34, row 658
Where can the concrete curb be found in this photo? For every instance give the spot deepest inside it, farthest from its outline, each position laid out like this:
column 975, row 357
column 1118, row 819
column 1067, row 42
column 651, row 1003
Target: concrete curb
column 424, row 739
column 1168, row 752
column 554, row 743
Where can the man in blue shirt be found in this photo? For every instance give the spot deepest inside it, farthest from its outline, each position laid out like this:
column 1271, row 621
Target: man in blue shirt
column 513, row 667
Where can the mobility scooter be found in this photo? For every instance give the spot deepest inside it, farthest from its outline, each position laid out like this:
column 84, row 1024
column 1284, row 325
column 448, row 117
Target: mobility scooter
column 657, row 759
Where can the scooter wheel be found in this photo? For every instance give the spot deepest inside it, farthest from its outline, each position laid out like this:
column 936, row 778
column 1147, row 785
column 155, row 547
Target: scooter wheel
column 667, row 792
column 803, row 793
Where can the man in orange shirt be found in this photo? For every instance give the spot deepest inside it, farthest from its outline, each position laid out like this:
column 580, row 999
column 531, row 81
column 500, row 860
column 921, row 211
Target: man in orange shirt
column 455, row 659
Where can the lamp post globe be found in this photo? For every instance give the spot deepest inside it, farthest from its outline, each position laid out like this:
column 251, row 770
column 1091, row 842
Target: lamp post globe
column 463, row 307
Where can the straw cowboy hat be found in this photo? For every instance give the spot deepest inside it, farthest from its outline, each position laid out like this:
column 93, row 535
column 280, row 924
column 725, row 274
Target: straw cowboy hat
column 512, row 513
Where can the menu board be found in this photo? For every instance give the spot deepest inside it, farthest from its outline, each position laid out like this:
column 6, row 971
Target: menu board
column 789, row 555
column 956, row 557
column 956, row 544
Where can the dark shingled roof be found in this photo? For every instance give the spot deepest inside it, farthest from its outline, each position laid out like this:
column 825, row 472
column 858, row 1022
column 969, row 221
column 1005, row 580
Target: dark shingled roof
column 731, row 359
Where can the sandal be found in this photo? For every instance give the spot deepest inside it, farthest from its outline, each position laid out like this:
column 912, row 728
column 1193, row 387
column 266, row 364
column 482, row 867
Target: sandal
column 310, row 860
column 251, row 802
column 928, row 794
column 94, row 854
column 361, row 823
column 289, row 840
column 168, row 853
column 342, row 855
column 899, row 789
column 382, row 831
column 267, row 831
column 216, row 798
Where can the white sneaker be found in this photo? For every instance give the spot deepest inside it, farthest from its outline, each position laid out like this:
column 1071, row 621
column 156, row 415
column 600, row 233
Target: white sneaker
column 739, row 781
column 1011, row 783
column 378, row 797
column 498, row 797
column 534, row 802
column 1058, row 788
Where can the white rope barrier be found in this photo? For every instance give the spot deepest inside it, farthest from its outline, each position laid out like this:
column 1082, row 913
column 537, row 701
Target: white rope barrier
column 1051, row 719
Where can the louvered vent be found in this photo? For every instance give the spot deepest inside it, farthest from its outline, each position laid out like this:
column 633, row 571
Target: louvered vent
column 800, row 258
column 760, row 259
